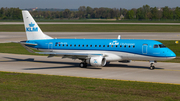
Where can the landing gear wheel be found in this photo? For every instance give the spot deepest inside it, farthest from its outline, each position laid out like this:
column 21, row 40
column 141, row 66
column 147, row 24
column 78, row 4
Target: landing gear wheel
column 152, row 67
column 83, row 65
column 107, row 63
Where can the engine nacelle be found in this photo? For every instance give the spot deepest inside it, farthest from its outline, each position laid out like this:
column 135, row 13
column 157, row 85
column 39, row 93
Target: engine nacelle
column 97, row 61
column 125, row 61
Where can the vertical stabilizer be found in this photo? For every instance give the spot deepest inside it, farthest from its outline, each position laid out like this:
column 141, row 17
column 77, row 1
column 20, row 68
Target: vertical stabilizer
column 33, row 32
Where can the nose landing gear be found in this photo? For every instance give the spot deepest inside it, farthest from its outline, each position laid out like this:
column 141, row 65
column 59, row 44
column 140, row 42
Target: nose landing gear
column 152, row 67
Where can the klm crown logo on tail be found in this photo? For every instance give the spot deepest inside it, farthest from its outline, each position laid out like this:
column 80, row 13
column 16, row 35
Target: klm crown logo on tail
column 31, row 28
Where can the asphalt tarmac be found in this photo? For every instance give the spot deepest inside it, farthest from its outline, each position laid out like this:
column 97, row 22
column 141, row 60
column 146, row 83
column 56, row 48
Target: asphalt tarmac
column 19, row 36
column 134, row 71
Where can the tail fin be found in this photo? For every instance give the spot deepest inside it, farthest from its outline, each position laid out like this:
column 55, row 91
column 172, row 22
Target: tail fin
column 33, row 32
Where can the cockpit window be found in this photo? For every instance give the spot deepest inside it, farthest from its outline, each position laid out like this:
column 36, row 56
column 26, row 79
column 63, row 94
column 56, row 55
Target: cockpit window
column 155, row 46
column 159, row 46
column 162, row 46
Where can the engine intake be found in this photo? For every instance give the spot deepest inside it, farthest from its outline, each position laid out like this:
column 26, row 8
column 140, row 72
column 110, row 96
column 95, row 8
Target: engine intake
column 97, row 61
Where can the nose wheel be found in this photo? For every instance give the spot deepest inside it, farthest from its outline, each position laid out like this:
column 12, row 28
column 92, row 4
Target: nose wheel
column 152, row 67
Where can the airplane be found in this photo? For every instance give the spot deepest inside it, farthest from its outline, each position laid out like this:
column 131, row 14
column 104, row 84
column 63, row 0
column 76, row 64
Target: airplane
column 95, row 52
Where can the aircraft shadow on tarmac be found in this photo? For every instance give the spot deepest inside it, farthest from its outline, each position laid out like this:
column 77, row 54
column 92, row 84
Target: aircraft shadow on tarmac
column 129, row 66
column 73, row 65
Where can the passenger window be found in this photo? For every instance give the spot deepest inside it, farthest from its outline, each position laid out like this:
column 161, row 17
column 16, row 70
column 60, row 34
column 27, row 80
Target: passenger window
column 129, row 46
column 82, row 45
column 70, row 45
column 133, row 46
column 116, row 46
column 74, row 45
column 124, row 46
column 86, row 45
column 63, row 45
column 107, row 45
column 79, row 45
column 66, row 45
column 120, row 46
column 111, row 45
column 95, row 45
column 155, row 46
column 99, row 45
column 103, row 45
column 90, row 45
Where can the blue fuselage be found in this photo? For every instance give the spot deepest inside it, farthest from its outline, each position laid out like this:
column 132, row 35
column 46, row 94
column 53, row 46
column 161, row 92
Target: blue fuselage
column 133, row 46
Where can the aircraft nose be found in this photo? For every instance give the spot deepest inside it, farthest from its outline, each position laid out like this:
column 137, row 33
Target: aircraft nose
column 170, row 54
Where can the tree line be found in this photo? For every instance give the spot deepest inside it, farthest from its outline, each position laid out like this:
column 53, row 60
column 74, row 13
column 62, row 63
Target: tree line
column 144, row 12
column 10, row 13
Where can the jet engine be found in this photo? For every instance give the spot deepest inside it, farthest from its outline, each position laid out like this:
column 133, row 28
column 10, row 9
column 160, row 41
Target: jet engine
column 97, row 61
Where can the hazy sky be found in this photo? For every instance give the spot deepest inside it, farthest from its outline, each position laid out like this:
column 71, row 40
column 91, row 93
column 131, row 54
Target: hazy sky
column 74, row 4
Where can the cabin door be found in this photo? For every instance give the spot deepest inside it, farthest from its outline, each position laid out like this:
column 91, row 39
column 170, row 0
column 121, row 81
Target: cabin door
column 50, row 46
column 144, row 48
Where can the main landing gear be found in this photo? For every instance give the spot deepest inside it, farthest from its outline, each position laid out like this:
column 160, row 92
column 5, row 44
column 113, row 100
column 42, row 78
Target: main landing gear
column 83, row 64
column 152, row 67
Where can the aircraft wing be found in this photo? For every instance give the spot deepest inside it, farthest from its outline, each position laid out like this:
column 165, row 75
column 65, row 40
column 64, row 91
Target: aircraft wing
column 70, row 55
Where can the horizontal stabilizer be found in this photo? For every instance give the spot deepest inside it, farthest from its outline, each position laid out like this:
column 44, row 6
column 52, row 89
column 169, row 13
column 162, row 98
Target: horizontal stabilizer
column 32, row 44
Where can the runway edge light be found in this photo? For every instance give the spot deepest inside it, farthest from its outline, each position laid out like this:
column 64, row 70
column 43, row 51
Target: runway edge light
column 176, row 42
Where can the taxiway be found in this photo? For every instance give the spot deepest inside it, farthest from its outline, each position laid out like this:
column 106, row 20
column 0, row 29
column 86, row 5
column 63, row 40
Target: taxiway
column 134, row 71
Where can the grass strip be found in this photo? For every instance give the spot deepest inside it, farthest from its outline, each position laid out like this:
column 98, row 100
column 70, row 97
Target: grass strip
column 21, row 86
column 95, row 28
column 14, row 48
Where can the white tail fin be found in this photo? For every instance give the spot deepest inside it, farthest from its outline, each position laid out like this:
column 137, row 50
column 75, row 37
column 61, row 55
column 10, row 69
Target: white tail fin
column 33, row 32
